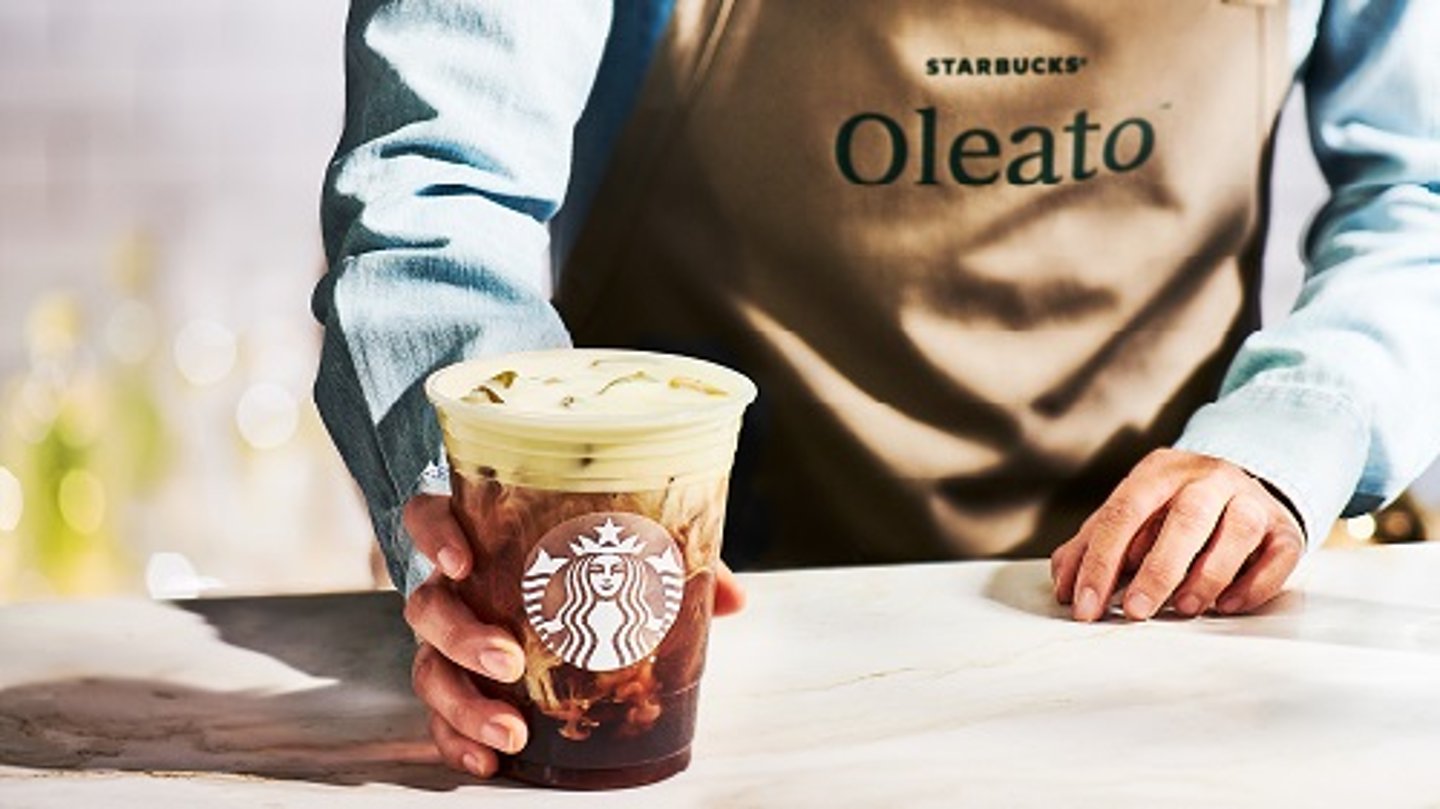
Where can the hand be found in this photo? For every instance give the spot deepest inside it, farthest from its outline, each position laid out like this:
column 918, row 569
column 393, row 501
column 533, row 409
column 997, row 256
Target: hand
column 1196, row 531
column 467, row 727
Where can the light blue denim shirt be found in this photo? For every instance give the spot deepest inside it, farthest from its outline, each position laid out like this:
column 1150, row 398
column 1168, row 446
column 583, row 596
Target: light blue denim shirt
column 465, row 118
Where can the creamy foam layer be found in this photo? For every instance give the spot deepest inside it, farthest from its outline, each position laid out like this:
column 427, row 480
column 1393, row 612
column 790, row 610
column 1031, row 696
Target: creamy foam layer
column 578, row 383
column 590, row 419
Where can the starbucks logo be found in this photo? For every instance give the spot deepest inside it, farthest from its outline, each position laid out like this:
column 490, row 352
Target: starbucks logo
column 602, row 590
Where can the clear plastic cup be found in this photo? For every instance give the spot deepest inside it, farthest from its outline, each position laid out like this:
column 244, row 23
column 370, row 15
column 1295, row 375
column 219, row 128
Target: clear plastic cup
column 596, row 526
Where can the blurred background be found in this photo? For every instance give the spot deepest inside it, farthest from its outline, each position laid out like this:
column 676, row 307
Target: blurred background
column 160, row 166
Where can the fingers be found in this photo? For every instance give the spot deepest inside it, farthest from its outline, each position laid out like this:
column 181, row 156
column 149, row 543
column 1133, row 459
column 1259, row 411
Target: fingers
column 1106, row 536
column 1064, row 564
column 1190, row 520
column 729, row 595
column 443, row 621
column 460, row 752
column 455, row 699
column 428, row 520
column 1188, row 525
column 1278, row 555
column 1065, row 561
column 1242, row 527
column 1144, row 541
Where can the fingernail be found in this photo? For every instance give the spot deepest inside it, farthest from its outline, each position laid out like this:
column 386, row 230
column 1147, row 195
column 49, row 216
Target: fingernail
column 450, row 561
column 1087, row 606
column 1138, row 605
column 471, row 762
column 498, row 736
column 1188, row 604
column 501, row 665
column 1232, row 604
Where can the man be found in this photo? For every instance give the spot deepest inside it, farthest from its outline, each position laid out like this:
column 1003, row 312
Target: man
column 993, row 267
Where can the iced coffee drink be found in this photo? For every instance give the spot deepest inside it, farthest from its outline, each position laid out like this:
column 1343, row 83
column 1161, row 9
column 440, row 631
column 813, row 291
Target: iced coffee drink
column 591, row 486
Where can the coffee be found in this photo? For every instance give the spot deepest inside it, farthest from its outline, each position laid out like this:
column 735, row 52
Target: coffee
column 591, row 485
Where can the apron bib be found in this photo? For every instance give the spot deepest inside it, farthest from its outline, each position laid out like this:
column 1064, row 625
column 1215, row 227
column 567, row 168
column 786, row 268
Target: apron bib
column 980, row 256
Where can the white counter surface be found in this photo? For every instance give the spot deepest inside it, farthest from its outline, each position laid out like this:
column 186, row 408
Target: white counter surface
column 928, row 685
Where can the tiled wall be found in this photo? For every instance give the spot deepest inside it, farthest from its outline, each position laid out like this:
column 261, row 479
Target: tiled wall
column 205, row 122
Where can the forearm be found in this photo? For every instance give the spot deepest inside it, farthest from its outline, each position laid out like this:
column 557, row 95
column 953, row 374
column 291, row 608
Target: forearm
column 1333, row 405
column 456, row 150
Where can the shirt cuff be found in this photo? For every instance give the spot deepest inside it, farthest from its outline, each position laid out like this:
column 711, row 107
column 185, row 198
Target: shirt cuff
column 409, row 568
column 1309, row 444
column 416, row 566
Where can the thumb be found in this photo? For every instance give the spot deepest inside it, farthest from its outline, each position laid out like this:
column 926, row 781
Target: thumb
column 428, row 520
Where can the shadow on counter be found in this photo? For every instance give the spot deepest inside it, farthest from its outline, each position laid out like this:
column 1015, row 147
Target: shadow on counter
column 362, row 726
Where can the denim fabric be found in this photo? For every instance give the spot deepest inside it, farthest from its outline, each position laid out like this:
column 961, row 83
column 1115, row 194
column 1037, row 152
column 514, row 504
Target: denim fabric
column 464, row 118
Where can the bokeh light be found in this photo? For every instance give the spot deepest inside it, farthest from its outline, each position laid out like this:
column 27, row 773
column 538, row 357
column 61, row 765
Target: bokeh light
column 52, row 326
column 12, row 500
column 84, row 411
column 204, row 352
column 82, row 501
column 131, row 331
column 267, row 415
column 138, row 306
column 33, row 409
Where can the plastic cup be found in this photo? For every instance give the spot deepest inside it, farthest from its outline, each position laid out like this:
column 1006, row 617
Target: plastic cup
column 596, row 526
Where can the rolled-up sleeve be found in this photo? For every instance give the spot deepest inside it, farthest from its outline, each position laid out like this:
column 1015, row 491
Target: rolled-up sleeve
column 1335, row 405
column 455, row 154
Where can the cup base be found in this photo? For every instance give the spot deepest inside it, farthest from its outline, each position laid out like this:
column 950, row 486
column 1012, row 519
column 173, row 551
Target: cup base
column 608, row 778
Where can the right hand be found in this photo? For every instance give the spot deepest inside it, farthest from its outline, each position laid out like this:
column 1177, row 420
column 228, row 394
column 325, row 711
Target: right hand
column 469, row 728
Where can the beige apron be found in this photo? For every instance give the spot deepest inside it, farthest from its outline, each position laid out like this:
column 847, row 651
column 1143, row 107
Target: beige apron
column 980, row 256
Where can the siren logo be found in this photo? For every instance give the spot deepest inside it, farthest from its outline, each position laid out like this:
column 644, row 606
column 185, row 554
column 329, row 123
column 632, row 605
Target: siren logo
column 602, row 590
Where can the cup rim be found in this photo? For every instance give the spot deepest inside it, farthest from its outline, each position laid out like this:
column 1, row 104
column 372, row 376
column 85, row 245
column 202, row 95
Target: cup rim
column 743, row 392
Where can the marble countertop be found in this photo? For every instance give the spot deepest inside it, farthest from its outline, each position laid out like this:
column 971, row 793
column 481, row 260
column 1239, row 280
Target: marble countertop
column 944, row 685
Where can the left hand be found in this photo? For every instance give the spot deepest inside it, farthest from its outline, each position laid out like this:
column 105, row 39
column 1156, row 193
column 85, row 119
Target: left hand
column 1197, row 532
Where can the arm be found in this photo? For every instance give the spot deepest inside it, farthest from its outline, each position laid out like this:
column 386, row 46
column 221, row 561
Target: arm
column 1333, row 406
column 455, row 153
